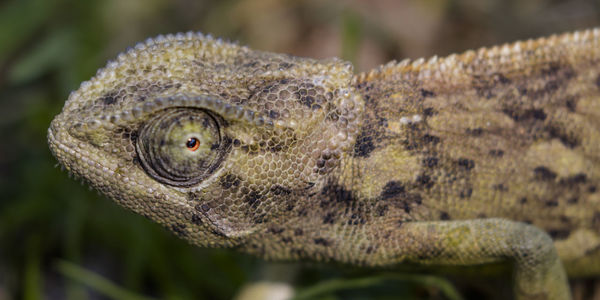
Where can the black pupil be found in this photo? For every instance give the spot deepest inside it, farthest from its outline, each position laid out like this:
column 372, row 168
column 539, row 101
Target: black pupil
column 191, row 142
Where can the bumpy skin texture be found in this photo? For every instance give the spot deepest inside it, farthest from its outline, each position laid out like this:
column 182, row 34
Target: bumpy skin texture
column 488, row 156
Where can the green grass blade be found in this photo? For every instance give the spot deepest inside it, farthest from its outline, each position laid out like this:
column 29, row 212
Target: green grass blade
column 32, row 289
column 96, row 282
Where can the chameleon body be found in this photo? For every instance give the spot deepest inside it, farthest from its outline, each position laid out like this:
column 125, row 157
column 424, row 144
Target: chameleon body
column 490, row 156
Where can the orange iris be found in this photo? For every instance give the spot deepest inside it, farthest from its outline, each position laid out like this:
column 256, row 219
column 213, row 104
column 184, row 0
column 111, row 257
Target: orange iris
column 192, row 144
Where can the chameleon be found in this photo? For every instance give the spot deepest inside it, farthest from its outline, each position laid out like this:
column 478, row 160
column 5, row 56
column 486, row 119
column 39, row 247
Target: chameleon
column 486, row 157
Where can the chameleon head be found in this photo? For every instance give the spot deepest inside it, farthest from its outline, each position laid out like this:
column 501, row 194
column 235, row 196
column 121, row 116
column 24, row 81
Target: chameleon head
column 208, row 138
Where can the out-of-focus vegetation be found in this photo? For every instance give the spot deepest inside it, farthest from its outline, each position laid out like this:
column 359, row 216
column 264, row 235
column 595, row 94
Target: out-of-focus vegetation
column 60, row 241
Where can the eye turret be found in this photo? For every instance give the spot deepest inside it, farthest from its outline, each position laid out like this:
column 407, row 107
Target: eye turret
column 181, row 146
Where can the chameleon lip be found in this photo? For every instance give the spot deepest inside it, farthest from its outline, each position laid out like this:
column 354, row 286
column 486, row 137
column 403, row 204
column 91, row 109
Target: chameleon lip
column 73, row 154
column 56, row 144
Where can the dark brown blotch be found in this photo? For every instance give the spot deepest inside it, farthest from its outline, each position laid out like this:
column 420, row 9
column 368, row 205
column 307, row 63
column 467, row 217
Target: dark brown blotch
column 524, row 115
column 253, row 199
column 109, row 98
column 381, row 210
column 430, row 162
column 202, row 207
column 551, row 69
column 501, row 78
column 329, row 218
column 559, row 233
column 179, row 229
column 542, row 173
column 428, row 111
column 308, row 101
column 392, row 189
column 364, row 146
column 427, row 93
column 474, row 131
column 555, row 74
column 496, row 152
column 467, row 164
column 229, row 181
column 196, row 219
column 273, row 114
column 425, row 180
column 322, row 241
column 500, row 187
column 290, row 205
column 430, row 139
column 285, row 65
column 571, row 104
column 356, row 219
column 569, row 140
column 276, row 230
column 279, row 190
column 218, row 233
column 303, row 212
column 574, row 181
column 333, row 194
column 444, row 216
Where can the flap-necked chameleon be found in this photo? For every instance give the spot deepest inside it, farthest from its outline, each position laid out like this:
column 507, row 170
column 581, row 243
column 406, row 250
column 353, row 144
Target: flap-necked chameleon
column 482, row 157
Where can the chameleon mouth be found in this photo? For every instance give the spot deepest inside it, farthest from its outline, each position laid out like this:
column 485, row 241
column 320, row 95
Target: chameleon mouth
column 81, row 159
column 58, row 148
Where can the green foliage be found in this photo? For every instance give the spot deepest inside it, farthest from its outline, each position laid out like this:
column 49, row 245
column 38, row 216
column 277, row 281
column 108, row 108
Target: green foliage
column 97, row 282
column 46, row 49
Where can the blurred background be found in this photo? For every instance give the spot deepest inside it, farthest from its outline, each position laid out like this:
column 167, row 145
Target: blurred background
column 58, row 240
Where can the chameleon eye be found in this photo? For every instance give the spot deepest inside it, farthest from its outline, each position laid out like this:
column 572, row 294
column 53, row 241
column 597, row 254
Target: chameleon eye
column 192, row 144
column 181, row 146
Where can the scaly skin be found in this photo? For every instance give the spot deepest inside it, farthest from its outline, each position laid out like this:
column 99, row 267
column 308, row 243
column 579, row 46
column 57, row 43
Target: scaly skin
column 488, row 156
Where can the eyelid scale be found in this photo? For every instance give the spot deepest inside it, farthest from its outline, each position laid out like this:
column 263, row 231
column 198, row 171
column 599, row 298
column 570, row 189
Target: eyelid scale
column 232, row 113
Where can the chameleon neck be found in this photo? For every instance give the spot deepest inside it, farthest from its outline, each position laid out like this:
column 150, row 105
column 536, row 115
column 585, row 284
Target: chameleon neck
column 354, row 214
